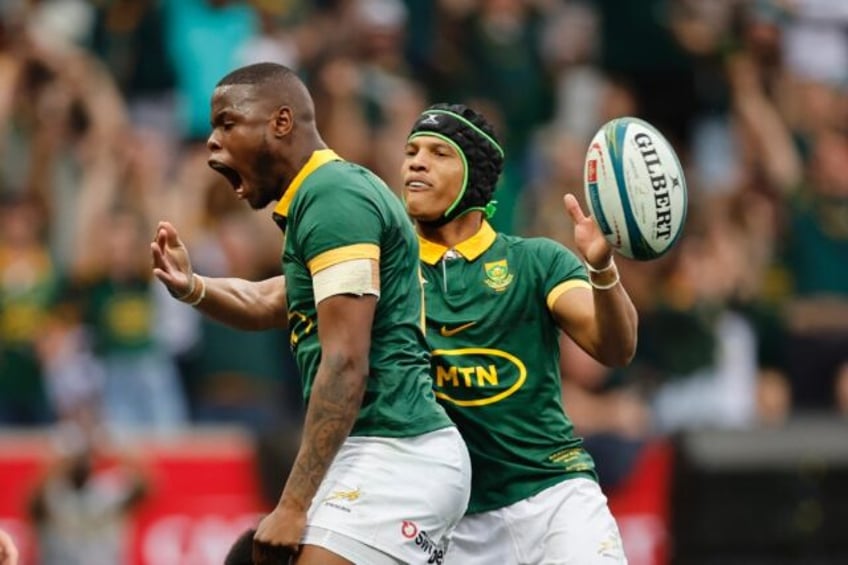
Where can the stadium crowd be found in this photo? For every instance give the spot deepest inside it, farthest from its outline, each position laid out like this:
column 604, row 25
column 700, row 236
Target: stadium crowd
column 103, row 124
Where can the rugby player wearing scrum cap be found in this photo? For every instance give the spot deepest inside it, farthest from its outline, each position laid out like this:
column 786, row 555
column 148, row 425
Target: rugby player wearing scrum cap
column 495, row 305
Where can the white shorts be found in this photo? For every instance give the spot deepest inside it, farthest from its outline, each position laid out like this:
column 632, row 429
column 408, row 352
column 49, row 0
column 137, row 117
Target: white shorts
column 566, row 524
column 400, row 496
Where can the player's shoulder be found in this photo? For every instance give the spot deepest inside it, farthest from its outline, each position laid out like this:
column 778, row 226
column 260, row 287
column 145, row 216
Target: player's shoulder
column 337, row 176
column 343, row 180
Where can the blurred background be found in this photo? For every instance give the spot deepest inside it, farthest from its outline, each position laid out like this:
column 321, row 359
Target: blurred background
column 134, row 431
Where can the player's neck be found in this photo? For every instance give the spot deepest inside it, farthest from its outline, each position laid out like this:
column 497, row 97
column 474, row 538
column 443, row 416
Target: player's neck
column 454, row 232
column 310, row 145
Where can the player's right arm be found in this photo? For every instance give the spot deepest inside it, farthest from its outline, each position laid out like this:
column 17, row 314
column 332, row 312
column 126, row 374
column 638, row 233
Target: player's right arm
column 243, row 304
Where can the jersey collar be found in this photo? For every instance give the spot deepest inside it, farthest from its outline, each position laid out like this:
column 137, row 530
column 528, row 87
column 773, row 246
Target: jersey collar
column 316, row 160
column 470, row 249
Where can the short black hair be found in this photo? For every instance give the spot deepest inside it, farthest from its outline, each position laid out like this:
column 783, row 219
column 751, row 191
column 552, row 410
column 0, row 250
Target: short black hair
column 258, row 73
column 241, row 552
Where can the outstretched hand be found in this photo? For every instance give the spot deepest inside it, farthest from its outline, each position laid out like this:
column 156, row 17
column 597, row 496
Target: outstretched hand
column 171, row 262
column 588, row 238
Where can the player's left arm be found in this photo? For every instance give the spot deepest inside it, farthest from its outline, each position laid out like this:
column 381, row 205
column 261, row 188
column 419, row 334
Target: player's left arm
column 344, row 330
column 345, row 270
column 602, row 321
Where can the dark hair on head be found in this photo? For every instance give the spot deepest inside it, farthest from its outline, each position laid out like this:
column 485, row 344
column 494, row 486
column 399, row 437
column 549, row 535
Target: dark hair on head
column 241, row 552
column 258, row 73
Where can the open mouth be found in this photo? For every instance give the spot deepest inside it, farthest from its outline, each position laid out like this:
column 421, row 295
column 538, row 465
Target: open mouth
column 228, row 172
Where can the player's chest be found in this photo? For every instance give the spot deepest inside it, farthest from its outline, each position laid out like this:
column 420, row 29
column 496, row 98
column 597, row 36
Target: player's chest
column 477, row 299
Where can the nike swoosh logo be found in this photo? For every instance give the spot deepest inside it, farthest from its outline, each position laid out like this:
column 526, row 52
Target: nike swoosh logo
column 445, row 332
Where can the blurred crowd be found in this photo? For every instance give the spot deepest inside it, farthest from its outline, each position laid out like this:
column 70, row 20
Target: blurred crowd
column 103, row 122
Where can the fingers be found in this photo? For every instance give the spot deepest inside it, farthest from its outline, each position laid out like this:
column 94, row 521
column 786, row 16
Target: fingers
column 166, row 233
column 572, row 206
column 162, row 269
column 160, row 260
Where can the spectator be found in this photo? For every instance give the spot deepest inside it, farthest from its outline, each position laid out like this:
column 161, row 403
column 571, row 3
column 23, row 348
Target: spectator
column 81, row 505
column 205, row 39
column 113, row 294
column 28, row 282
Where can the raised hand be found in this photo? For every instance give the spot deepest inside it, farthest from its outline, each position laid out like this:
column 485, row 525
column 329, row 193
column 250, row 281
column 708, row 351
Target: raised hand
column 171, row 262
column 588, row 238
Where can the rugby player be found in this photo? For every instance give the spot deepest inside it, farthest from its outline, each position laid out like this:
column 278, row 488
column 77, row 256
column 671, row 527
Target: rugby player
column 382, row 475
column 495, row 306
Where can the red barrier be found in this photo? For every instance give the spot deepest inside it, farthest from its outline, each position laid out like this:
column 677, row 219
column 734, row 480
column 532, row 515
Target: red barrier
column 204, row 495
column 641, row 507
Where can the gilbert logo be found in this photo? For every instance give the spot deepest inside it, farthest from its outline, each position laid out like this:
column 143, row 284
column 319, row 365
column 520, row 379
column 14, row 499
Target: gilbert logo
column 449, row 332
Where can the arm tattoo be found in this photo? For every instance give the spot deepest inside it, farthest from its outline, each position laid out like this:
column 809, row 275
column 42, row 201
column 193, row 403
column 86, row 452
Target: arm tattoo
column 333, row 406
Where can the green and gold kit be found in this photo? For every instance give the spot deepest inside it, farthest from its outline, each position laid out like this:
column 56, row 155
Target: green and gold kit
column 335, row 211
column 495, row 360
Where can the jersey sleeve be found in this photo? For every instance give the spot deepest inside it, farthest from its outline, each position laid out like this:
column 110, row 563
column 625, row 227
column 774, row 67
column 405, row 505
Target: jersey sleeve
column 338, row 224
column 561, row 268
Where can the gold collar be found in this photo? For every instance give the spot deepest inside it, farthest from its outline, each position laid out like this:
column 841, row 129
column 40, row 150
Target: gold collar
column 317, row 159
column 470, row 249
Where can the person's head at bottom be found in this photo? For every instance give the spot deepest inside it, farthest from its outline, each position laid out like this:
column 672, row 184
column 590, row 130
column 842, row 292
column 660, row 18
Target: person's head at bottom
column 452, row 165
column 241, row 552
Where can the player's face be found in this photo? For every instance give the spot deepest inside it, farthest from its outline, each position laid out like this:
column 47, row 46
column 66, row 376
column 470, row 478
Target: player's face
column 432, row 175
column 239, row 147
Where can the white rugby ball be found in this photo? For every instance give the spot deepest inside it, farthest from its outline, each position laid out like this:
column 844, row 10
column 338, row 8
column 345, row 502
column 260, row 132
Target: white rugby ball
column 635, row 188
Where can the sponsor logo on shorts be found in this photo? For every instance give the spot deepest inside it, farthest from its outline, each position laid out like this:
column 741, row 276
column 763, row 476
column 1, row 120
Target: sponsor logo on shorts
column 610, row 547
column 408, row 529
column 337, row 498
column 435, row 551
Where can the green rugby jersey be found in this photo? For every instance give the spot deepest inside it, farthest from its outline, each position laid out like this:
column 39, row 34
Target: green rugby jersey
column 336, row 211
column 495, row 360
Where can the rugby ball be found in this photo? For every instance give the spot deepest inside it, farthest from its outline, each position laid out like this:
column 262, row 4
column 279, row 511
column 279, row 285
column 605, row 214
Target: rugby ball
column 635, row 188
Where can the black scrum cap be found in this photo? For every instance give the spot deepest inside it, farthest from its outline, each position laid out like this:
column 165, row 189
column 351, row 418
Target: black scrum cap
column 474, row 139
